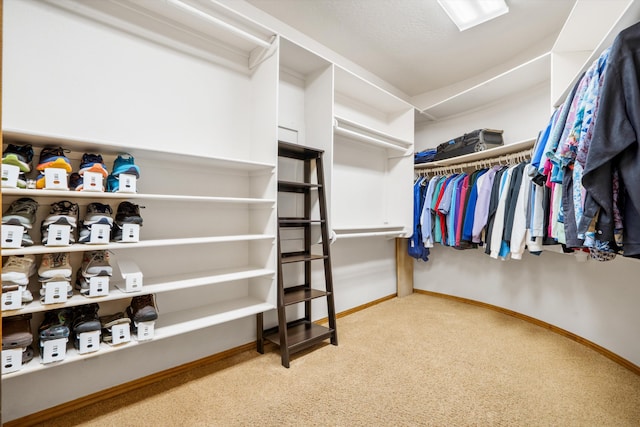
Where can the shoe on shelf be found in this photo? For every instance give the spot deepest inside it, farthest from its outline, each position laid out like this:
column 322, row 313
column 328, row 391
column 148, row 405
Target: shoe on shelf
column 56, row 324
column 125, row 163
column 93, row 163
column 111, row 320
column 27, row 355
column 54, row 157
column 16, row 331
column 22, row 180
column 128, row 213
column 142, row 309
column 21, row 212
column 113, row 184
column 27, row 296
column 19, row 268
column 97, row 213
column 63, row 212
column 76, row 182
column 96, row 263
column 18, row 155
column 55, row 265
column 85, row 319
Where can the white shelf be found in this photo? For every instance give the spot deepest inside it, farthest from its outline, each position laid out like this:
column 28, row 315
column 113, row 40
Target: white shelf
column 367, row 135
column 152, row 286
column 78, row 247
column 195, row 160
column 128, row 196
column 348, row 232
column 481, row 155
column 167, row 325
column 612, row 17
column 519, row 78
column 207, row 30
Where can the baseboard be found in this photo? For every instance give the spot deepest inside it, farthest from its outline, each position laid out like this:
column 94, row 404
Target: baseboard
column 65, row 408
column 607, row 353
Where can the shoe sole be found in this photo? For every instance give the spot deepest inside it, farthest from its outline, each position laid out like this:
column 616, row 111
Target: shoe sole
column 128, row 170
column 55, row 333
column 12, row 159
column 95, row 168
column 60, row 220
column 87, row 326
column 17, row 220
column 59, row 273
column 58, row 163
column 16, row 340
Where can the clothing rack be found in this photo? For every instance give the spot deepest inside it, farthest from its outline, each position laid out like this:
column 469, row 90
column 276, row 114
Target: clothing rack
column 507, row 159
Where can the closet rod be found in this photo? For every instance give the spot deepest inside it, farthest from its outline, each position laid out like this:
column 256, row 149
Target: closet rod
column 519, row 156
column 220, row 23
column 366, row 138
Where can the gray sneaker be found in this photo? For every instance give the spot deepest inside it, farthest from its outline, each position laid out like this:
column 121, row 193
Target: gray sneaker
column 21, row 212
column 18, row 269
column 64, row 213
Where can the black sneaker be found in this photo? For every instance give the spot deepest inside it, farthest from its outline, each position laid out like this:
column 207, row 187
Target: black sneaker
column 85, row 319
column 76, row 182
column 93, row 163
column 21, row 212
column 142, row 309
column 18, row 155
column 128, row 213
column 64, row 213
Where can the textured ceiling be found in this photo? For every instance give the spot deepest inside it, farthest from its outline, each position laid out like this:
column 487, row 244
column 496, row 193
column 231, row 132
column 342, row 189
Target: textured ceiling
column 413, row 45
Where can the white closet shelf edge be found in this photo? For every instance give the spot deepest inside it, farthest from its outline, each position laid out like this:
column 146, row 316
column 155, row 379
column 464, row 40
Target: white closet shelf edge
column 78, row 247
column 107, row 195
column 167, row 325
column 153, row 286
column 481, row 155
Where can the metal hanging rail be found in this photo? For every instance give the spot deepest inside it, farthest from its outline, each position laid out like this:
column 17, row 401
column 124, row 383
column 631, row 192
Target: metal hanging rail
column 507, row 159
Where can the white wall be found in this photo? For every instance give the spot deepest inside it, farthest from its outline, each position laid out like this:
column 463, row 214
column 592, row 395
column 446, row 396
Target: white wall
column 594, row 300
column 521, row 116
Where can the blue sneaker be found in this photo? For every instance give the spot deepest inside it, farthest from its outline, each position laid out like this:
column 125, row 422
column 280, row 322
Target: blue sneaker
column 113, row 184
column 54, row 157
column 93, row 163
column 124, row 163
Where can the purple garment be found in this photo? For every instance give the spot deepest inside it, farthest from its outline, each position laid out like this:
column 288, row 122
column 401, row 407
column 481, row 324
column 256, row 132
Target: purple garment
column 482, row 204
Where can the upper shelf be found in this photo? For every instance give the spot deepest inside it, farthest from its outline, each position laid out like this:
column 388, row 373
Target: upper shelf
column 490, row 153
column 208, row 30
column 367, row 135
column 521, row 77
column 17, row 136
column 606, row 20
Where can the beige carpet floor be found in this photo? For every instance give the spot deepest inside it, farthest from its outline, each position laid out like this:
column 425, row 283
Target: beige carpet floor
column 413, row 361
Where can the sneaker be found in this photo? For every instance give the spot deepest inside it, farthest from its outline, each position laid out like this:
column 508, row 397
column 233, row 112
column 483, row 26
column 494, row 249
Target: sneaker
column 96, row 263
column 128, row 213
column 56, row 324
column 64, row 213
column 27, row 296
column 55, row 265
column 54, row 157
column 19, row 268
column 22, row 180
column 93, row 163
column 113, row 184
column 21, row 212
column 98, row 213
column 26, row 239
column 75, row 182
column 16, row 331
column 124, row 163
column 18, row 155
column 109, row 321
column 85, row 319
column 142, row 309
column 27, row 355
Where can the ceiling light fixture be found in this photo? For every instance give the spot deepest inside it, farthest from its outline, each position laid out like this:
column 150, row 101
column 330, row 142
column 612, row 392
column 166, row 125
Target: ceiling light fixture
column 469, row 13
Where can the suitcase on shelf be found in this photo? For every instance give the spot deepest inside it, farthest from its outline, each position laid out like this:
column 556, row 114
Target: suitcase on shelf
column 478, row 140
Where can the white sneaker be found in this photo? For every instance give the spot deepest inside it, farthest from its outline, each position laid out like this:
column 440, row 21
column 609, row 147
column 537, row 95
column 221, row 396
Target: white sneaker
column 53, row 265
column 18, row 269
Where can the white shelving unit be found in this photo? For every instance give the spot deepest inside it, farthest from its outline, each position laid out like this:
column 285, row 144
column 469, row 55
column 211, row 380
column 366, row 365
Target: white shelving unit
column 575, row 48
column 372, row 158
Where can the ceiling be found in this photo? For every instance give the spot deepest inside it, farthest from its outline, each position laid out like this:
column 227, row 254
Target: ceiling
column 413, row 45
